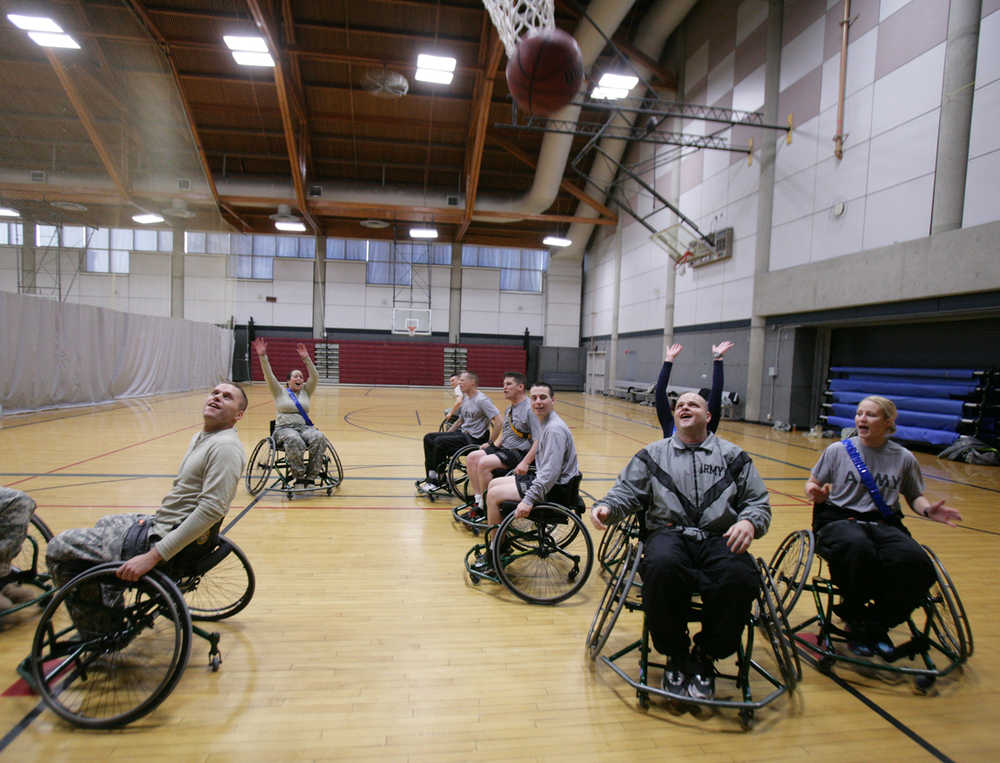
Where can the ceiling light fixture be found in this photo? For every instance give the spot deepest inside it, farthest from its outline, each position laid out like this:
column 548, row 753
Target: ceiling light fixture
column 613, row 87
column 284, row 220
column 290, row 227
column 248, row 51
column 437, row 69
column 68, row 206
column 423, row 233
column 8, row 212
column 178, row 209
column 147, row 218
column 43, row 30
column 556, row 241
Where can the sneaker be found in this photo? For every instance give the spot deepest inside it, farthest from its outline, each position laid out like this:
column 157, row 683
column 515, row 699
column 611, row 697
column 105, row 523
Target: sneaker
column 701, row 685
column 675, row 680
column 860, row 648
column 483, row 564
column 432, row 476
column 883, row 647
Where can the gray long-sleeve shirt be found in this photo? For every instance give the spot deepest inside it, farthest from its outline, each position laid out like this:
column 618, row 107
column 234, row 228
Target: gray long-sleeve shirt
column 555, row 458
column 704, row 489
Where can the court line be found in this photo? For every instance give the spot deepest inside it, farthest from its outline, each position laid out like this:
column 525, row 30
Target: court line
column 21, row 725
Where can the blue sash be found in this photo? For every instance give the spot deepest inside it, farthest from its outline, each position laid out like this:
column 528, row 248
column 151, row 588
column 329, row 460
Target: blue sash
column 867, row 480
column 299, row 406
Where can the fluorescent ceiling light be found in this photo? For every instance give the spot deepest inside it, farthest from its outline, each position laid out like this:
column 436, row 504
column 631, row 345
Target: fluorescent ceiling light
column 34, row 23
column 252, row 44
column 423, row 233
column 249, row 58
column 147, row 218
column 618, row 81
column 556, row 241
column 8, row 212
column 608, row 94
column 52, row 40
column 440, row 63
column 291, row 227
column 433, row 75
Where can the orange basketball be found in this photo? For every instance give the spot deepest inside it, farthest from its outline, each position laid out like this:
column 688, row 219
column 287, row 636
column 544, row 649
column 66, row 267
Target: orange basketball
column 545, row 72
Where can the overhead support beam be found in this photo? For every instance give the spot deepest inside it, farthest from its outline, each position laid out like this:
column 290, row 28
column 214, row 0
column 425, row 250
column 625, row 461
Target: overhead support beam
column 296, row 135
column 225, row 211
column 566, row 185
column 479, row 126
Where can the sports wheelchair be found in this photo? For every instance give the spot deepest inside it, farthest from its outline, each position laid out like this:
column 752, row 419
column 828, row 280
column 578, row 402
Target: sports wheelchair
column 779, row 676
column 456, row 475
column 543, row 558
column 934, row 640
column 27, row 569
column 268, row 462
column 133, row 639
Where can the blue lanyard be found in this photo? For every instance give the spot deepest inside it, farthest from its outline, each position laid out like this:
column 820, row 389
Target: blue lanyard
column 299, row 406
column 867, row 479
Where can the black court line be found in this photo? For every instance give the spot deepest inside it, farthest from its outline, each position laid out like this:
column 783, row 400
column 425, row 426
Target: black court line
column 21, row 725
column 418, row 417
column 347, row 420
column 879, row 710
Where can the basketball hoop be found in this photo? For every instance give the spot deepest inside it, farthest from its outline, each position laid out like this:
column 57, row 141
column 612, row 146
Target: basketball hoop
column 680, row 265
column 515, row 19
column 411, row 326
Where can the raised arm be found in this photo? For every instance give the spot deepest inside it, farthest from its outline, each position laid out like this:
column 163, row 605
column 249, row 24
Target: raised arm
column 260, row 347
column 715, row 396
column 663, row 412
column 313, row 380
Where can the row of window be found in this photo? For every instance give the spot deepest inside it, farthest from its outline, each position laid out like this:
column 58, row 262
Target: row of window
column 251, row 256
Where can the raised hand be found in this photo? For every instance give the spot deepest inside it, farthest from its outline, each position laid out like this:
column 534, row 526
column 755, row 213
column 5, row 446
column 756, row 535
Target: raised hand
column 302, row 351
column 260, row 346
column 672, row 352
column 718, row 350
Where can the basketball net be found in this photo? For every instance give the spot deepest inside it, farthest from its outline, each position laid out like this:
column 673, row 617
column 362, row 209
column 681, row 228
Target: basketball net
column 515, row 19
column 411, row 327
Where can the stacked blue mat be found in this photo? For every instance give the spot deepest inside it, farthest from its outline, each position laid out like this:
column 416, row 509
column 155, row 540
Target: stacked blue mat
column 930, row 401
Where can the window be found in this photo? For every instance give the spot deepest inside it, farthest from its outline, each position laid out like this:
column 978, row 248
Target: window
column 11, row 234
column 107, row 249
column 249, row 255
column 520, row 269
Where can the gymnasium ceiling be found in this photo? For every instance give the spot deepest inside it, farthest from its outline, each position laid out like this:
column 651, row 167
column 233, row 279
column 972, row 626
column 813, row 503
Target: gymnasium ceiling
column 153, row 113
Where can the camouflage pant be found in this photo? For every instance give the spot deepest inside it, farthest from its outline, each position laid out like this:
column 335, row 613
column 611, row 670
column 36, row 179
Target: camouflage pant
column 296, row 440
column 72, row 551
column 15, row 514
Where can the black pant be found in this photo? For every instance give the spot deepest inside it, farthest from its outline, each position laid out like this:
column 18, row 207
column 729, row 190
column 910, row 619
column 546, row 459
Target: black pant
column 882, row 573
column 675, row 566
column 439, row 446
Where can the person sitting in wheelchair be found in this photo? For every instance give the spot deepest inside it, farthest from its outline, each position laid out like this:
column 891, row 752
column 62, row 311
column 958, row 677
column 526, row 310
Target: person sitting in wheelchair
column 557, row 473
column 477, row 418
column 881, row 572
column 16, row 509
column 294, row 431
column 197, row 502
column 513, row 448
column 451, row 414
column 704, row 503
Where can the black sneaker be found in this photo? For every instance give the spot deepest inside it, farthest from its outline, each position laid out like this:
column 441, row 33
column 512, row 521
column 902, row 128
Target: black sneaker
column 483, row 564
column 701, row 685
column 882, row 646
column 675, row 680
column 432, row 476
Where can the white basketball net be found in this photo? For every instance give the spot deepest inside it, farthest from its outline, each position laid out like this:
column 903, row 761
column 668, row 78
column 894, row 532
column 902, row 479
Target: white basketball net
column 515, row 19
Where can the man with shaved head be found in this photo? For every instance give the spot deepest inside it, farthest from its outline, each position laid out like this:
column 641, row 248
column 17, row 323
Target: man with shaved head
column 704, row 504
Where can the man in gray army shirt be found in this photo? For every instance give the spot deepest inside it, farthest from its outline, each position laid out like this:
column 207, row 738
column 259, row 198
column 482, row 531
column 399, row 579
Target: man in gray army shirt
column 199, row 499
column 704, row 503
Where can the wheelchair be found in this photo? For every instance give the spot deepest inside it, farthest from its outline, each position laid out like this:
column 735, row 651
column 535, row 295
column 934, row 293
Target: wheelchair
column 27, row 569
column 134, row 639
column 934, row 640
column 543, row 558
column 468, row 513
column 456, row 475
column 776, row 676
column 268, row 463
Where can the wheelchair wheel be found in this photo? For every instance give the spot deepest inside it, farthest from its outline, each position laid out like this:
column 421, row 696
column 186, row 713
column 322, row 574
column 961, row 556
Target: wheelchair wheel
column 225, row 588
column 949, row 625
column 790, row 567
column 125, row 658
column 614, row 545
column 446, row 423
column 29, row 563
column 615, row 595
column 458, row 473
column 260, row 465
column 532, row 561
column 772, row 621
column 333, row 470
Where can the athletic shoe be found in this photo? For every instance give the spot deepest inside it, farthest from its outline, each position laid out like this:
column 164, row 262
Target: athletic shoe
column 883, row 647
column 483, row 564
column 701, row 685
column 432, row 476
column 675, row 680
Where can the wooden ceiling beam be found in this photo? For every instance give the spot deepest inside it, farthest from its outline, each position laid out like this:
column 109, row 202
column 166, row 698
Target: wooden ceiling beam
column 295, row 134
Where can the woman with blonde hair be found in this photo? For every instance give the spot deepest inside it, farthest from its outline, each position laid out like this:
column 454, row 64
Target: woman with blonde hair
column 882, row 573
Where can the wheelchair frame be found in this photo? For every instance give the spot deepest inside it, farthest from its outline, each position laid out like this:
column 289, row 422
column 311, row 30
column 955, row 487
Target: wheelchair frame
column 79, row 673
column 265, row 462
column 456, row 475
column 624, row 591
column 944, row 631
column 26, row 567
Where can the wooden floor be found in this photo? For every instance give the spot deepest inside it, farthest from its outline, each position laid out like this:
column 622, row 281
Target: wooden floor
column 366, row 641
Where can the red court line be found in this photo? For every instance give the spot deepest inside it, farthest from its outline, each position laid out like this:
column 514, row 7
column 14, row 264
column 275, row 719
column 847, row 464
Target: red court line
column 800, row 501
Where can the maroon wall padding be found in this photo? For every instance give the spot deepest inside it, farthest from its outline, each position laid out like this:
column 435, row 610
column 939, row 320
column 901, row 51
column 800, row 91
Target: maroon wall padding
column 409, row 363
column 491, row 361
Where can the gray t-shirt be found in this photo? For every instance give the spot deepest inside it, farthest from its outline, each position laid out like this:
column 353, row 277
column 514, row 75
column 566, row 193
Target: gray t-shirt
column 476, row 412
column 894, row 468
column 517, row 424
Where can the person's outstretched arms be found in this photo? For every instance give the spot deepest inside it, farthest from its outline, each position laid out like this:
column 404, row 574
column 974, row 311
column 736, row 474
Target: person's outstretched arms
column 715, row 397
column 260, row 347
column 313, row 380
column 663, row 412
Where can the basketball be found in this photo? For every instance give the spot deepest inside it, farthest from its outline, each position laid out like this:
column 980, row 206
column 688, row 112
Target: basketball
column 545, row 72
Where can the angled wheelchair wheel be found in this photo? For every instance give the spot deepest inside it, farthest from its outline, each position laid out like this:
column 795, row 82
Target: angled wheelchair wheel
column 772, row 621
column 790, row 566
column 446, row 423
column 107, row 652
column 949, row 625
column 539, row 564
column 333, row 470
column 260, row 466
column 619, row 588
column 614, row 544
column 225, row 588
column 458, row 473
